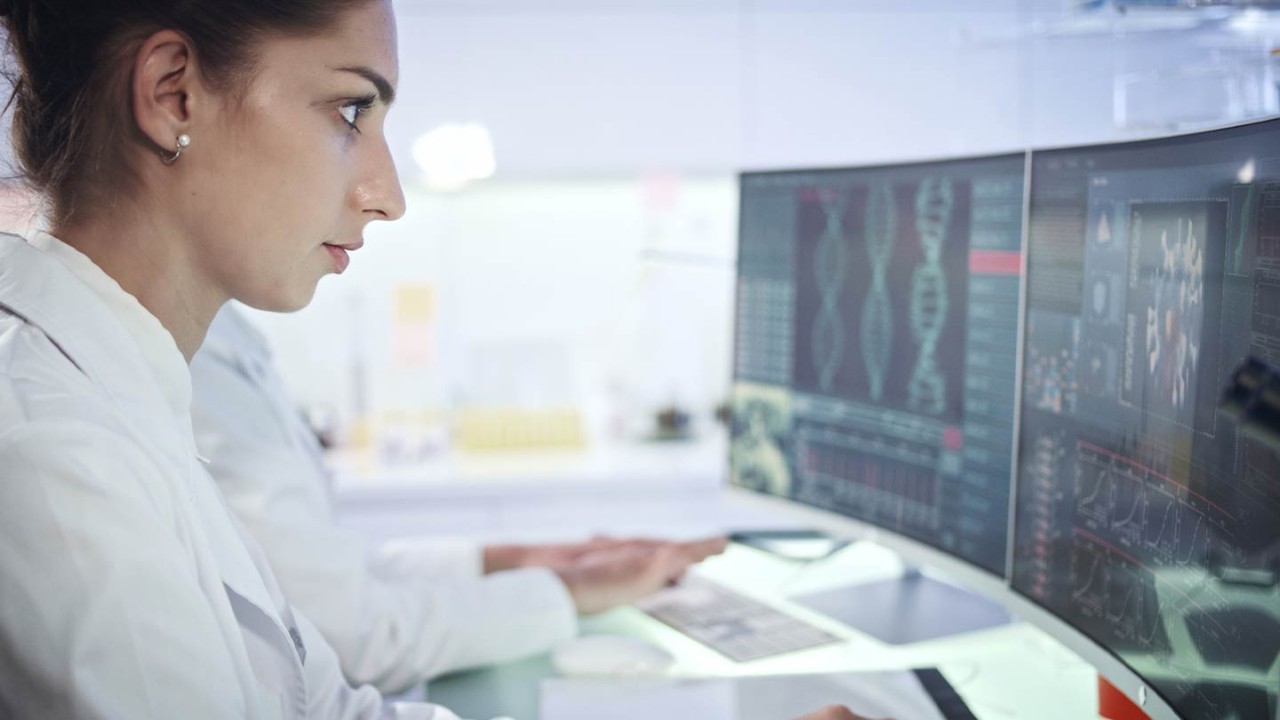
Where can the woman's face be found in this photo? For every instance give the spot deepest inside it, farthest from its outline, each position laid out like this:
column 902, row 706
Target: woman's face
column 287, row 174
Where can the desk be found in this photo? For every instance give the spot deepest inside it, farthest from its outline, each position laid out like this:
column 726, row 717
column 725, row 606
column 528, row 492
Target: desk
column 537, row 495
column 1009, row 672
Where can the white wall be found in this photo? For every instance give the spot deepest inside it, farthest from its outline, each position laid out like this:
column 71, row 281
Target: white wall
column 614, row 87
column 614, row 296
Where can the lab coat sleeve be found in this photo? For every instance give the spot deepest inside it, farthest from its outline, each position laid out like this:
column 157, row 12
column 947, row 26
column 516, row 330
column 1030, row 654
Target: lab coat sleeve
column 330, row 696
column 419, row 557
column 99, row 616
column 392, row 619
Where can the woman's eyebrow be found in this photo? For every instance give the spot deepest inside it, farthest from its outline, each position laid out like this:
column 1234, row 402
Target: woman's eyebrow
column 386, row 93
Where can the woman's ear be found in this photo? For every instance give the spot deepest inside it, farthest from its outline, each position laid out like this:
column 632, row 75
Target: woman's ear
column 165, row 88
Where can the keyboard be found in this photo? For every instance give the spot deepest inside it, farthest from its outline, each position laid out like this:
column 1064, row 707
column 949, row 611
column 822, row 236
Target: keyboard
column 733, row 625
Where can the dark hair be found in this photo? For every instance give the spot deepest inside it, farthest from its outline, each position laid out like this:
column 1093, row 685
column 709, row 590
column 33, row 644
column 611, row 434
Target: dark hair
column 70, row 101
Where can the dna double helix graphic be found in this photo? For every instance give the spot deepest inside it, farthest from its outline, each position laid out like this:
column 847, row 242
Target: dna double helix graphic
column 877, row 318
column 829, row 268
column 927, row 389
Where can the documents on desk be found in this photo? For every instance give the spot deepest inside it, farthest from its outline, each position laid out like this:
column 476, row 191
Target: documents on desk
column 730, row 623
column 898, row 694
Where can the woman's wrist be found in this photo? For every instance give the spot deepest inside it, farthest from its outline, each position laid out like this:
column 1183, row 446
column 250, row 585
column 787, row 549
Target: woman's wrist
column 503, row 557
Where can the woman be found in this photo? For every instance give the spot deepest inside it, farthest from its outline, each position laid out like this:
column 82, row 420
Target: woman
column 191, row 152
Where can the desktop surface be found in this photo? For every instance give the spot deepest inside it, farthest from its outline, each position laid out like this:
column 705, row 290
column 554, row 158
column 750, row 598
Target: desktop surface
column 916, row 694
column 1014, row 671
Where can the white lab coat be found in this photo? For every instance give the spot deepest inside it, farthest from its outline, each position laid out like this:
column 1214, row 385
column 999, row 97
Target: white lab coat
column 126, row 588
column 397, row 613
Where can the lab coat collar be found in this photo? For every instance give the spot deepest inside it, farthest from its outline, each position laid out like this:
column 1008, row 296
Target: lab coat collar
column 41, row 288
column 156, row 343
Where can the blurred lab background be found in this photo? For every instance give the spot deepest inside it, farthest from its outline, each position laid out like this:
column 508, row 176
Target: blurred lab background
column 564, row 278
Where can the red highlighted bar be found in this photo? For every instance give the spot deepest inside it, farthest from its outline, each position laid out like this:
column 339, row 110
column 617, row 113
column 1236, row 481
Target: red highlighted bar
column 995, row 262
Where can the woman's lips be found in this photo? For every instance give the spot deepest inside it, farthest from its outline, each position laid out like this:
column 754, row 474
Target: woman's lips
column 341, row 259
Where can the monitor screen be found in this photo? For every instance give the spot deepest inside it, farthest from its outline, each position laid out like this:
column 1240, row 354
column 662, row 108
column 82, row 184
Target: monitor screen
column 1145, row 518
column 875, row 350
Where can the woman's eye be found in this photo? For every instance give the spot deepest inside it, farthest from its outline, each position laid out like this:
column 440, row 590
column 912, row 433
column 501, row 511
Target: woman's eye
column 352, row 111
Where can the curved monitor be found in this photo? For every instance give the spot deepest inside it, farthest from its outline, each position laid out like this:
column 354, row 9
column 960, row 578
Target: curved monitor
column 875, row 352
column 1147, row 524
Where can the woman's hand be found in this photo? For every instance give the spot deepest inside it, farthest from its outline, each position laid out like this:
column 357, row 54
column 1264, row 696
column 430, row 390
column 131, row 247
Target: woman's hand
column 615, row 574
column 832, row 712
column 509, row 557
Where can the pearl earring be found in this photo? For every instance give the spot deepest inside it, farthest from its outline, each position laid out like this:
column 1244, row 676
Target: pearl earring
column 182, row 142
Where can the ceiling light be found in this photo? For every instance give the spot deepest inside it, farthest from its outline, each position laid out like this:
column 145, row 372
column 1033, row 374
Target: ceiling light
column 454, row 154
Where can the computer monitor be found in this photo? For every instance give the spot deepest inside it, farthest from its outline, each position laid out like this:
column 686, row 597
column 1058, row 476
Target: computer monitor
column 875, row 356
column 1147, row 521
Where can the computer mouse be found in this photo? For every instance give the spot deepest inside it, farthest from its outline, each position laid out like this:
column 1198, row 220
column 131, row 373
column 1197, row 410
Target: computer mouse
column 610, row 656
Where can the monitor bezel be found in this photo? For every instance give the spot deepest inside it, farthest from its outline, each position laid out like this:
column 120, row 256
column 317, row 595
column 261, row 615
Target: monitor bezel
column 1108, row 665
column 934, row 562
column 743, row 175
column 1121, row 143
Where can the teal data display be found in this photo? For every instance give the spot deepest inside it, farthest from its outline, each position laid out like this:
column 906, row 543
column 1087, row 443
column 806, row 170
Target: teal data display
column 875, row 351
column 1145, row 517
